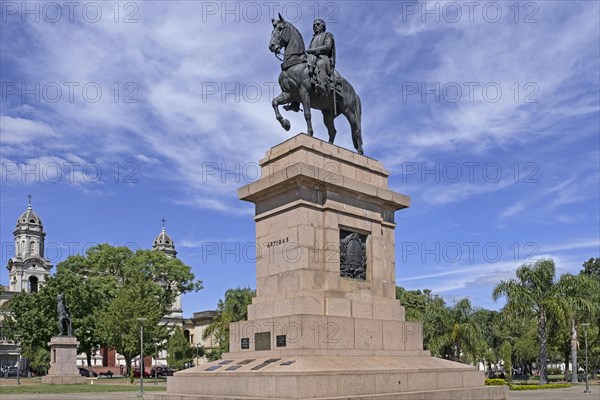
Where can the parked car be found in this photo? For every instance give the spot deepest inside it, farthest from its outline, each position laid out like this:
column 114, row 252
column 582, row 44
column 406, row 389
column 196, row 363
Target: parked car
column 136, row 373
column 161, row 371
column 11, row 371
column 86, row 372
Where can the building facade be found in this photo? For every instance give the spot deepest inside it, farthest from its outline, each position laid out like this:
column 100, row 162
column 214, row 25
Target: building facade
column 28, row 270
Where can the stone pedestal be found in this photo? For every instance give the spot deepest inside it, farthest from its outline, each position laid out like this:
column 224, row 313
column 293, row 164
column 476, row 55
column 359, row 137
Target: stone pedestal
column 63, row 362
column 325, row 322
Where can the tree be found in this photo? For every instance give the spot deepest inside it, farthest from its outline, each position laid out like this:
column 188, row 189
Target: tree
column 534, row 290
column 106, row 290
column 592, row 267
column 234, row 308
column 581, row 294
column 118, row 324
column 493, row 333
column 430, row 309
column 462, row 339
column 32, row 320
column 506, row 356
column 179, row 352
column 523, row 333
column 39, row 361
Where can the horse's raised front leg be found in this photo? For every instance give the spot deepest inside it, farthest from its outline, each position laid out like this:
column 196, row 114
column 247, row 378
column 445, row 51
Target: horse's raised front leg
column 283, row 98
column 328, row 121
column 305, row 98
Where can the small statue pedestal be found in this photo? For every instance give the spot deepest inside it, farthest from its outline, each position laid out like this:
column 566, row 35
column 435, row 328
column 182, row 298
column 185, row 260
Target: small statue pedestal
column 63, row 362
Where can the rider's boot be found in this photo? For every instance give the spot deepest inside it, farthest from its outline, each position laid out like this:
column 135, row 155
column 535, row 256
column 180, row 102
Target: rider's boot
column 293, row 106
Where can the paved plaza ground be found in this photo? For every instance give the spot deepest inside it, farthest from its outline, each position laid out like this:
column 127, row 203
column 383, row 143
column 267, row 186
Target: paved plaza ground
column 572, row 393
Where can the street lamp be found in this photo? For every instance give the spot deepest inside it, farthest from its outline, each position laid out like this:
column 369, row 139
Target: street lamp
column 17, row 337
column 141, row 356
column 93, row 356
column 155, row 360
column 587, row 386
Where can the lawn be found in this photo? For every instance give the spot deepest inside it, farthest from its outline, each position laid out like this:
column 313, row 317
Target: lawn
column 35, row 388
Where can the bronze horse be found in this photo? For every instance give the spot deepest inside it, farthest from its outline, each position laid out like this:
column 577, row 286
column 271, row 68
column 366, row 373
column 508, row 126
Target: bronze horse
column 296, row 87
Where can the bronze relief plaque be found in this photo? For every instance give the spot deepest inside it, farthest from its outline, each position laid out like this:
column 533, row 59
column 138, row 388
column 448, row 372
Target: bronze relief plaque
column 353, row 255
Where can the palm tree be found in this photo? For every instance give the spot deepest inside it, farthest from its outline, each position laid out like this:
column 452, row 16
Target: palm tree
column 461, row 338
column 534, row 290
column 580, row 292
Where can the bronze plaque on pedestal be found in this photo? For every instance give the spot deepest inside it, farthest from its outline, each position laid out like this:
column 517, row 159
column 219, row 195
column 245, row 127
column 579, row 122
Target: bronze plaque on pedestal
column 262, row 341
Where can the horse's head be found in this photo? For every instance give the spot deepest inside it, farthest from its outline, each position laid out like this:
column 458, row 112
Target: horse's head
column 280, row 37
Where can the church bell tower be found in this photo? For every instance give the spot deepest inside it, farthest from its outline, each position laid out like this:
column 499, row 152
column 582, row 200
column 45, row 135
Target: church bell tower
column 164, row 243
column 28, row 269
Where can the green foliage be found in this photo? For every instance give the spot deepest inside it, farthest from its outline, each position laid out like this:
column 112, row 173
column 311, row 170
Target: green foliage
column 535, row 291
column 423, row 306
column 506, row 357
column 454, row 333
column 554, row 371
column 581, row 293
column 592, row 268
column 495, row 382
column 40, row 361
column 118, row 324
column 458, row 338
column 539, row 387
column 234, row 308
column 179, row 352
column 27, row 311
column 106, row 291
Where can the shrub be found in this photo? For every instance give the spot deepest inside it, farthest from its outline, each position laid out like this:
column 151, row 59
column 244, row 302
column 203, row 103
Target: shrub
column 538, row 387
column 554, row 371
column 495, row 382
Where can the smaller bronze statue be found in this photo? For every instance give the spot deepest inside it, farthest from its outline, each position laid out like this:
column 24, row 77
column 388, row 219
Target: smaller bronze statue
column 64, row 317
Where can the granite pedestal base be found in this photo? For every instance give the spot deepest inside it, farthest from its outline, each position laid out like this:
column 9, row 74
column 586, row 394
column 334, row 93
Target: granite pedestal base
column 63, row 362
column 331, row 377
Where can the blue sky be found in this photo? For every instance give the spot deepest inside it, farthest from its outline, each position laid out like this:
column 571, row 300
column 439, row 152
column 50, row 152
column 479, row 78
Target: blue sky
column 115, row 115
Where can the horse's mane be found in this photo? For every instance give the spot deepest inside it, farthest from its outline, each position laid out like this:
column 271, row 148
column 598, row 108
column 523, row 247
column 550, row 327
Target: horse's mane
column 298, row 36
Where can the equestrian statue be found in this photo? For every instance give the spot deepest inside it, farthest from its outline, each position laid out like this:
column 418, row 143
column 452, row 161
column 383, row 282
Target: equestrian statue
column 308, row 77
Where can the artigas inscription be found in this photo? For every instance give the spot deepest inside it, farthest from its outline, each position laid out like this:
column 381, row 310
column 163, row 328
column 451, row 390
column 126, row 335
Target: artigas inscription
column 277, row 242
column 353, row 255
